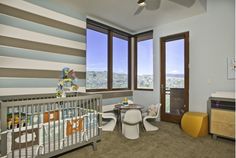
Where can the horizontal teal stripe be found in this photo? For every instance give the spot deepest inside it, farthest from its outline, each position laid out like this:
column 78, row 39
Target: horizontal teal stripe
column 31, row 82
column 36, row 27
column 60, row 8
column 39, row 55
column 114, row 100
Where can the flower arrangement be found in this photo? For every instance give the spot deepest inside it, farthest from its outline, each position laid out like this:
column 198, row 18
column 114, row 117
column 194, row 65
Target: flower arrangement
column 68, row 82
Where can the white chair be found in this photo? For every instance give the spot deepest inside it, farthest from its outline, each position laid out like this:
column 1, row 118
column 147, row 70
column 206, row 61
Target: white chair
column 147, row 125
column 109, row 126
column 130, row 102
column 123, row 112
column 130, row 124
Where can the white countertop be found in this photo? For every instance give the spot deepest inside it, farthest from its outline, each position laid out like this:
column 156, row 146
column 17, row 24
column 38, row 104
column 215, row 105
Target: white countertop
column 224, row 94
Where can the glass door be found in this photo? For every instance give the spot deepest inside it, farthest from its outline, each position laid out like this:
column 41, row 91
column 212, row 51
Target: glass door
column 174, row 76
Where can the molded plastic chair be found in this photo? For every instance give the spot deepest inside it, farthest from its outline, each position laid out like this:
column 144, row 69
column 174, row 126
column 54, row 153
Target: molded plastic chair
column 110, row 126
column 108, row 115
column 130, row 124
column 123, row 112
column 130, row 102
column 147, row 125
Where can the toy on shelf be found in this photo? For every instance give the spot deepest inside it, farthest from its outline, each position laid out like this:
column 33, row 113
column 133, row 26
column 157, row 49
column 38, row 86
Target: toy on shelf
column 68, row 82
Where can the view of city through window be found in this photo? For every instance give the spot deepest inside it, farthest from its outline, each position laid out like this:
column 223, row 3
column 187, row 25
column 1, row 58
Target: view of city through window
column 96, row 60
column 120, row 63
column 174, row 68
column 175, row 64
column 145, row 64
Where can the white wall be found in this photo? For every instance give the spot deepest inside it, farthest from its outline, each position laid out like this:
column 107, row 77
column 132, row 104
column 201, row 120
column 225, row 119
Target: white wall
column 211, row 42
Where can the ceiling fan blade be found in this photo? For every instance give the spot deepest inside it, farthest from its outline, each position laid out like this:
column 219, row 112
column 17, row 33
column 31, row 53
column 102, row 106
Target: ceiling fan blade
column 186, row 3
column 152, row 4
column 138, row 11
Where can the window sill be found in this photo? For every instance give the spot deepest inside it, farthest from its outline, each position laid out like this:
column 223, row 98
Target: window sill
column 107, row 90
column 114, row 93
column 143, row 89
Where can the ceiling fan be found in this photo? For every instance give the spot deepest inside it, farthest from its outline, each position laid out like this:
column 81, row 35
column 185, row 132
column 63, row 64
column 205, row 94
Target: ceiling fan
column 155, row 4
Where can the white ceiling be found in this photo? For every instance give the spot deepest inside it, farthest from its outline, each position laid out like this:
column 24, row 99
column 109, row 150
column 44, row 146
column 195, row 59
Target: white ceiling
column 121, row 12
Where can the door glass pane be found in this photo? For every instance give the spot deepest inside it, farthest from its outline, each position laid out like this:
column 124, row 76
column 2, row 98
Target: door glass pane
column 120, row 63
column 174, row 76
column 96, row 60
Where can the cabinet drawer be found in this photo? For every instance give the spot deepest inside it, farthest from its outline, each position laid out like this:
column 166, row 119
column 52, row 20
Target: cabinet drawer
column 222, row 122
column 227, row 130
column 224, row 116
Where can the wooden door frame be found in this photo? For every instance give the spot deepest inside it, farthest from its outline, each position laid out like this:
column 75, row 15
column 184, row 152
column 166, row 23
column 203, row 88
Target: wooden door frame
column 163, row 40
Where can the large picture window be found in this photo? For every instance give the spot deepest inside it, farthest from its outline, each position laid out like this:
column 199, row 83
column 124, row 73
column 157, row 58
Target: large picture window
column 97, row 56
column 107, row 59
column 144, row 61
column 120, row 62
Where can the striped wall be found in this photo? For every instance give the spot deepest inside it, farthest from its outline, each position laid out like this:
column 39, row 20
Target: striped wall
column 35, row 44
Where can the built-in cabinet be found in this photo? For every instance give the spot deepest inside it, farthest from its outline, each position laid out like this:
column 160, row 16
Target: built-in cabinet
column 222, row 117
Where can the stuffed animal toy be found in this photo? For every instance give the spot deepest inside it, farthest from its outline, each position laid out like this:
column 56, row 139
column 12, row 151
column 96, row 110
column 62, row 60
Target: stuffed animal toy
column 68, row 82
column 152, row 110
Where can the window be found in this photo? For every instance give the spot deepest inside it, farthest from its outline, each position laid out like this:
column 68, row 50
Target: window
column 144, row 61
column 97, row 56
column 107, row 59
column 120, row 62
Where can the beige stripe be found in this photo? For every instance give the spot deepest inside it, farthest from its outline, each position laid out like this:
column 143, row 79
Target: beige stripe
column 31, row 8
column 24, row 73
column 21, row 63
column 116, row 94
column 27, row 91
column 13, row 42
column 14, row 32
column 41, row 20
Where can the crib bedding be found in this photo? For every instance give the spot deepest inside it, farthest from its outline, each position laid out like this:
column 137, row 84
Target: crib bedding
column 52, row 133
column 40, row 149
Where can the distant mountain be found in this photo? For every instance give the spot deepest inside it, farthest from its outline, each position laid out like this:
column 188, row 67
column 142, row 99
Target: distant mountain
column 98, row 79
column 176, row 75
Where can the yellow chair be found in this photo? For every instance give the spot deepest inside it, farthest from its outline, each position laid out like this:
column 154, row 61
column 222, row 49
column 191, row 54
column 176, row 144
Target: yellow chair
column 195, row 124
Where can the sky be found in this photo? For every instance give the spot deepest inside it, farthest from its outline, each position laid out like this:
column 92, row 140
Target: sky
column 145, row 57
column 96, row 57
column 175, row 57
column 97, row 50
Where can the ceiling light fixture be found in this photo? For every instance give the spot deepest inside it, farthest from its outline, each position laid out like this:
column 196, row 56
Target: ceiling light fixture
column 155, row 4
column 141, row 3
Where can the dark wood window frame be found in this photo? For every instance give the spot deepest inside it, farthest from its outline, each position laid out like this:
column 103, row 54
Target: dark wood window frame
column 140, row 37
column 110, row 31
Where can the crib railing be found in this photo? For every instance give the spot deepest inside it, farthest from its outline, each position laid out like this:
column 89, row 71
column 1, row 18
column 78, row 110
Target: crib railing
column 47, row 126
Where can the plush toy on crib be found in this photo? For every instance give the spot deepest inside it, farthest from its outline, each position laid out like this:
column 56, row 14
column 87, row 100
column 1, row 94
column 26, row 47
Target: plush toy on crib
column 68, row 82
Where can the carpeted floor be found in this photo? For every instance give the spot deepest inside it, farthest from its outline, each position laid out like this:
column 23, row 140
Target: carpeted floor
column 169, row 142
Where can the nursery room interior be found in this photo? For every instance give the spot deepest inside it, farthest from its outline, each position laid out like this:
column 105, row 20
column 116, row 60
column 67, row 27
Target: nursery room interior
column 117, row 78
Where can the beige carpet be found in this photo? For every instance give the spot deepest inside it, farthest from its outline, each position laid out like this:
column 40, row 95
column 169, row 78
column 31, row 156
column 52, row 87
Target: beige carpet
column 169, row 142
